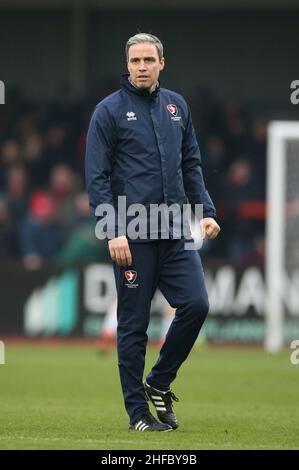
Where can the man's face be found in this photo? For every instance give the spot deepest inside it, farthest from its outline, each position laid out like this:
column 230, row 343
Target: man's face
column 144, row 65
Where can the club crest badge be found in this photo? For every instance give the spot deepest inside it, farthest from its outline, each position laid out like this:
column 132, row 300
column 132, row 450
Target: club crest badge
column 172, row 109
column 131, row 277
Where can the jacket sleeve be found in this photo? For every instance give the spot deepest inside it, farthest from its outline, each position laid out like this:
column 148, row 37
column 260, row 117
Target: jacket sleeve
column 101, row 141
column 192, row 171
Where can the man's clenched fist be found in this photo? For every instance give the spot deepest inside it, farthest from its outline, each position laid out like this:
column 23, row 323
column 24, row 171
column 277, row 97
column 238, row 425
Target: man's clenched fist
column 209, row 228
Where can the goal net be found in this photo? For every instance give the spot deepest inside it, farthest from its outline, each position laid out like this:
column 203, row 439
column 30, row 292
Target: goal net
column 282, row 235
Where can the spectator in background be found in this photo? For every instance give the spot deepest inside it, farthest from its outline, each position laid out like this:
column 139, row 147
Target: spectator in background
column 27, row 122
column 215, row 165
column 66, row 114
column 33, row 148
column 17, row 191
column 82, row 246
column 207, row 114
column 237, row 129
column 244, row 205
column 9, row 113
column 8, row 241
column 40, row 237
column 255, row 256
column 64, row 185
column 10, row 152
column 258, row 146
column 55, row 146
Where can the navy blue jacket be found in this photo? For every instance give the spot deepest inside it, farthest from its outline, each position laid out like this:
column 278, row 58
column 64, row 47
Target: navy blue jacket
column 143, row 146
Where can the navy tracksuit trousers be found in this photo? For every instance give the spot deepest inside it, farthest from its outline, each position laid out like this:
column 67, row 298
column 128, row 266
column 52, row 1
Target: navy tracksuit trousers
column 179, row 275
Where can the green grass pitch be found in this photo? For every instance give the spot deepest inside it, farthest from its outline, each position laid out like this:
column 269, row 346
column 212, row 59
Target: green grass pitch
column 69, row 398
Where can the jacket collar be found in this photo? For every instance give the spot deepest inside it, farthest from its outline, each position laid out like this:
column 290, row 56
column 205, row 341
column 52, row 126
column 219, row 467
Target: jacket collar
column 129, row 88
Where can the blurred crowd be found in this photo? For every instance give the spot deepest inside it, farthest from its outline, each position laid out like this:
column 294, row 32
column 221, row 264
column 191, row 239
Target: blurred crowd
column 44, row 211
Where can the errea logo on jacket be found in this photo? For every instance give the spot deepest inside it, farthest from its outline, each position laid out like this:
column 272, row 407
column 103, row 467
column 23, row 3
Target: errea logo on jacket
column 131, row 116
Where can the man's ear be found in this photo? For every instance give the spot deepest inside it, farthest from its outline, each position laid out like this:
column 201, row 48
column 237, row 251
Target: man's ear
column 162, row 64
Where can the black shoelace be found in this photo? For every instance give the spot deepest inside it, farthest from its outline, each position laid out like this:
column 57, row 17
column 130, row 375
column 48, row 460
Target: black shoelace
column 170, row 397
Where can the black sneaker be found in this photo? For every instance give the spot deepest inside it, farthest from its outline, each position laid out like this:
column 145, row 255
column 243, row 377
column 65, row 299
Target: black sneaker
column 147, row 422
column 162, row 401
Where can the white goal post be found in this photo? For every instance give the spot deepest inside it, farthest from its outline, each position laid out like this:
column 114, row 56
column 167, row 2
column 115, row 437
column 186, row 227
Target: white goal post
column 280, row 134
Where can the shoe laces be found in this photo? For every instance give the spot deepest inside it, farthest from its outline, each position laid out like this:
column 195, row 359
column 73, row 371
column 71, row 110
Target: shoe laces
column 170, row 396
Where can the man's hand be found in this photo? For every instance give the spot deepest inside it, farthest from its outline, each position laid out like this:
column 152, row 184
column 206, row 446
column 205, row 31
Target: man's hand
column 209, row 228
column 119, row 251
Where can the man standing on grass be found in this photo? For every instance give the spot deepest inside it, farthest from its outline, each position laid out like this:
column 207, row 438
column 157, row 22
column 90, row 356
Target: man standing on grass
column 141, row 144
